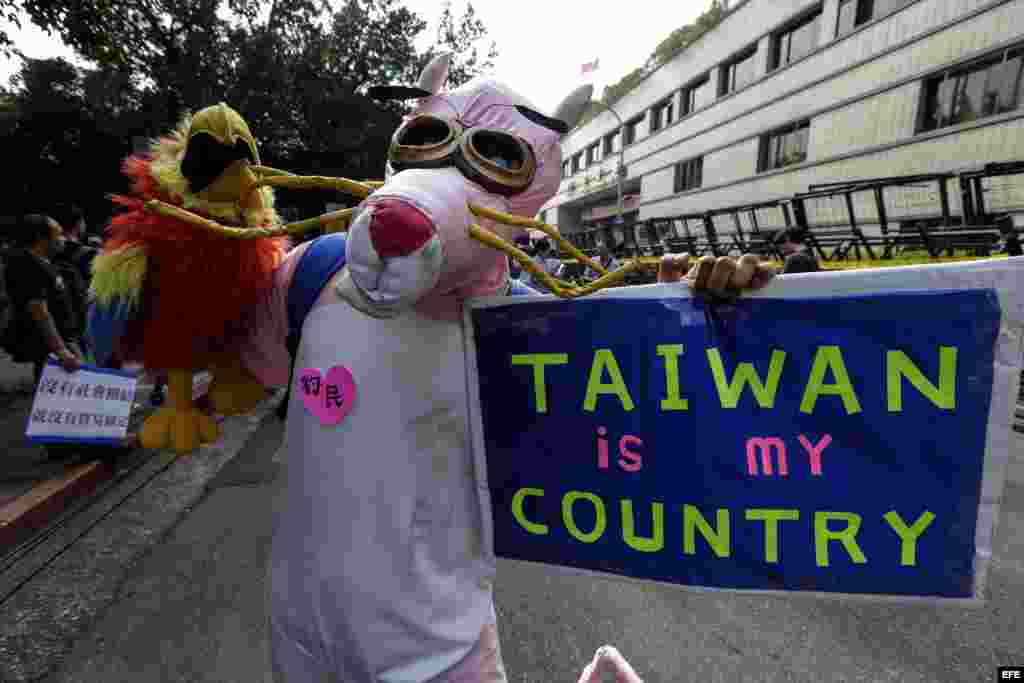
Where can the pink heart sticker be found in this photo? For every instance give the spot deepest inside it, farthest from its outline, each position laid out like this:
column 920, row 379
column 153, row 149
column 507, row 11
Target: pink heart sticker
column 328, row 399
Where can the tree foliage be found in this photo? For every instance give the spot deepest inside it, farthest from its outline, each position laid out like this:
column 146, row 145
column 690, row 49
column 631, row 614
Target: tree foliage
column 676, row 42
column 296, row 69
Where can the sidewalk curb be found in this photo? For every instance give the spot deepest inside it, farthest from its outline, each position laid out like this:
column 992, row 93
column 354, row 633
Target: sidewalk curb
column 31, row 511
column 54, row 592
column 48, row 499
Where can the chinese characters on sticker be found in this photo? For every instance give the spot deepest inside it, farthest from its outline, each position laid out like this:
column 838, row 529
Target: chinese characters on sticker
column 330, row 399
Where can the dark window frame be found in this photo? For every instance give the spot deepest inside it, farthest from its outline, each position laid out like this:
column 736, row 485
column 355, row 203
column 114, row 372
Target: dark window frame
column 630, row 128
column 727, row 85
column 688, row 99
column 864, row 13
column 658, row 119
column 576, row 159
column 566, row 165
column 689, row 175
column 765, row 162
column 592, row 153
column 958, row 78
column 608, row 142
column 813, row 15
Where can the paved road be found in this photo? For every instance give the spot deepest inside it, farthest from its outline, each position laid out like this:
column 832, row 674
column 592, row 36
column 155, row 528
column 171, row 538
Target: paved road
column 192, row 610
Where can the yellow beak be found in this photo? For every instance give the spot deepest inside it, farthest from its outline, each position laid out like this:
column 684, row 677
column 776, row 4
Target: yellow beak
column 235, row 184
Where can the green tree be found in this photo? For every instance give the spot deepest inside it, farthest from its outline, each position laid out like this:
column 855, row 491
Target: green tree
column 466, row 38
column 60, row 148
column 676, row 42
column 296, row 69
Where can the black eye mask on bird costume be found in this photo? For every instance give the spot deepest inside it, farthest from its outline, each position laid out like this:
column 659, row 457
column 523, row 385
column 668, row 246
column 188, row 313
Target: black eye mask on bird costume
column 206, row 158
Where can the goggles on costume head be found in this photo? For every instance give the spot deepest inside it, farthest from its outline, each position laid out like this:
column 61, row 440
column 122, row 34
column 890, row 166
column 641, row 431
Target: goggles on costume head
column 501, row 163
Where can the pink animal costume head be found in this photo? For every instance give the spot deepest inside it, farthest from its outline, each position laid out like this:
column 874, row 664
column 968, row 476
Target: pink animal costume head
column 409, row 244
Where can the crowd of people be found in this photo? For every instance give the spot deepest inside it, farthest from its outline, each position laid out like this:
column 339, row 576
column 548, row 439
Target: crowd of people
column 799, row 258
column 47, row 264
column 45, row 268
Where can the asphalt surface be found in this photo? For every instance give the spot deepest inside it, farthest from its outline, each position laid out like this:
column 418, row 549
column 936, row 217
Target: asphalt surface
column 190, row 608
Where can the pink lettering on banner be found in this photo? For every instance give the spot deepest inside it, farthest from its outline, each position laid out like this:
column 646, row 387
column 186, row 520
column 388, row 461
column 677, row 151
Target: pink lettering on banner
column 814, row 452
column 602, row 449
column 329, row 399
column 635, row 462
column 765, row 446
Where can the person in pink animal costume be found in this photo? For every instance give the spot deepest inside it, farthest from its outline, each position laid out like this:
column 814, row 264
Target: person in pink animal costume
column 376, row 573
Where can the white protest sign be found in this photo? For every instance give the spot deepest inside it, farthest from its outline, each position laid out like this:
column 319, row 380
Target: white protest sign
column 91, row 405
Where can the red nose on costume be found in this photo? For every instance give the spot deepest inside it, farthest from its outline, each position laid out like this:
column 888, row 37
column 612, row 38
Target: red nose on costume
column 398, row 228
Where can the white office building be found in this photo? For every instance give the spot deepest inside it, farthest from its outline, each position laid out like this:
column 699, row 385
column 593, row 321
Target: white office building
column 785, row 94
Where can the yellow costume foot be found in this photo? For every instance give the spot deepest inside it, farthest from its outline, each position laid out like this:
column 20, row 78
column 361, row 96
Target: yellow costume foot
column 183, row 430
column 234, row 390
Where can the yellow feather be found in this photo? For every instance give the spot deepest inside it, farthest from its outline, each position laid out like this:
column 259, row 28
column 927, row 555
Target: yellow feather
column 167, row 153
column 118, row 274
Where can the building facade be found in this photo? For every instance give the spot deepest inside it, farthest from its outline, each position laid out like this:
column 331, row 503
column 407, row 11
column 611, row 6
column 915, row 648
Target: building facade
column 784, row 94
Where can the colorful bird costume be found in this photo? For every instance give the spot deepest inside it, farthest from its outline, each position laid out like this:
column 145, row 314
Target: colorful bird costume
column 174, row 297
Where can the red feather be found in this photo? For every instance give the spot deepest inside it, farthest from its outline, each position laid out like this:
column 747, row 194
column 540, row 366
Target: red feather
column 199, row 286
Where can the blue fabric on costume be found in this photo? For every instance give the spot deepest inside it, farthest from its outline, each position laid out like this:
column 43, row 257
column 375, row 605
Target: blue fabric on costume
column 322, row 260
column 104, row 326
column 518, row 288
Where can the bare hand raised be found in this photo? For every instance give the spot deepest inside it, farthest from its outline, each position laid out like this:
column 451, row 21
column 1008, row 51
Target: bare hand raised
column 723, row 276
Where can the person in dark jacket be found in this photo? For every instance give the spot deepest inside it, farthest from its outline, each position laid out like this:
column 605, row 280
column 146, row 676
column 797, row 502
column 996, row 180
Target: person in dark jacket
column 45, row 319
column 77, row 251
column 799, row 257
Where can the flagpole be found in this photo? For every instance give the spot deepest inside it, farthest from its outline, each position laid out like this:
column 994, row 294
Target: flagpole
column 622, row 149
column 619, row 171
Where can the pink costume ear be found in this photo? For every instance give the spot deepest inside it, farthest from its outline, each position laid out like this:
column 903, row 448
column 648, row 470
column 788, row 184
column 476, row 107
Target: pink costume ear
column 434, row 74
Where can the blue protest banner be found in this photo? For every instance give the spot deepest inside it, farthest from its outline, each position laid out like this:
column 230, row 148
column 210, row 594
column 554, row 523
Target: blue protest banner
column 834, row 445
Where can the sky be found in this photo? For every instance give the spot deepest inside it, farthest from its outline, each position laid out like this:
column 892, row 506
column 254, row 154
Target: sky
column 541, row 43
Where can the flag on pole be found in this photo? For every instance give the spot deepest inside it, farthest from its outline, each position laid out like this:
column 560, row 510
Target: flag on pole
column 588, row 67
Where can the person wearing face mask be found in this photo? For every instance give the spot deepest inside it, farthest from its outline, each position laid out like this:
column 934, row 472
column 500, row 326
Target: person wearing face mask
column 44, row 320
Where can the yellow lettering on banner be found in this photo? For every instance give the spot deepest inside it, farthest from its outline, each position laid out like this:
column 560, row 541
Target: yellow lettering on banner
column 909, row 535
column 847, row 536
column 520, row 515
column 898, row 365
column 646, row 545
column 730, row 390
column 604, row 358
column 600, row 523
column 771, row 518
column 829, row 358
column 718, row 540
column 538, row 361
column 672, row 400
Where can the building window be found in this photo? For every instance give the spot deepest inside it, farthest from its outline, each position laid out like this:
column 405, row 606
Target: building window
column 593, row 154
column 797, row 40
column 985, row 88
column 629, row 131
column 576, row 159
column 784, row 146
column 854, row 13
column 689, row 174
column 662, row 115
column 695, row 95
column 565, row 169
column 737, row 72
column 610, row 141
